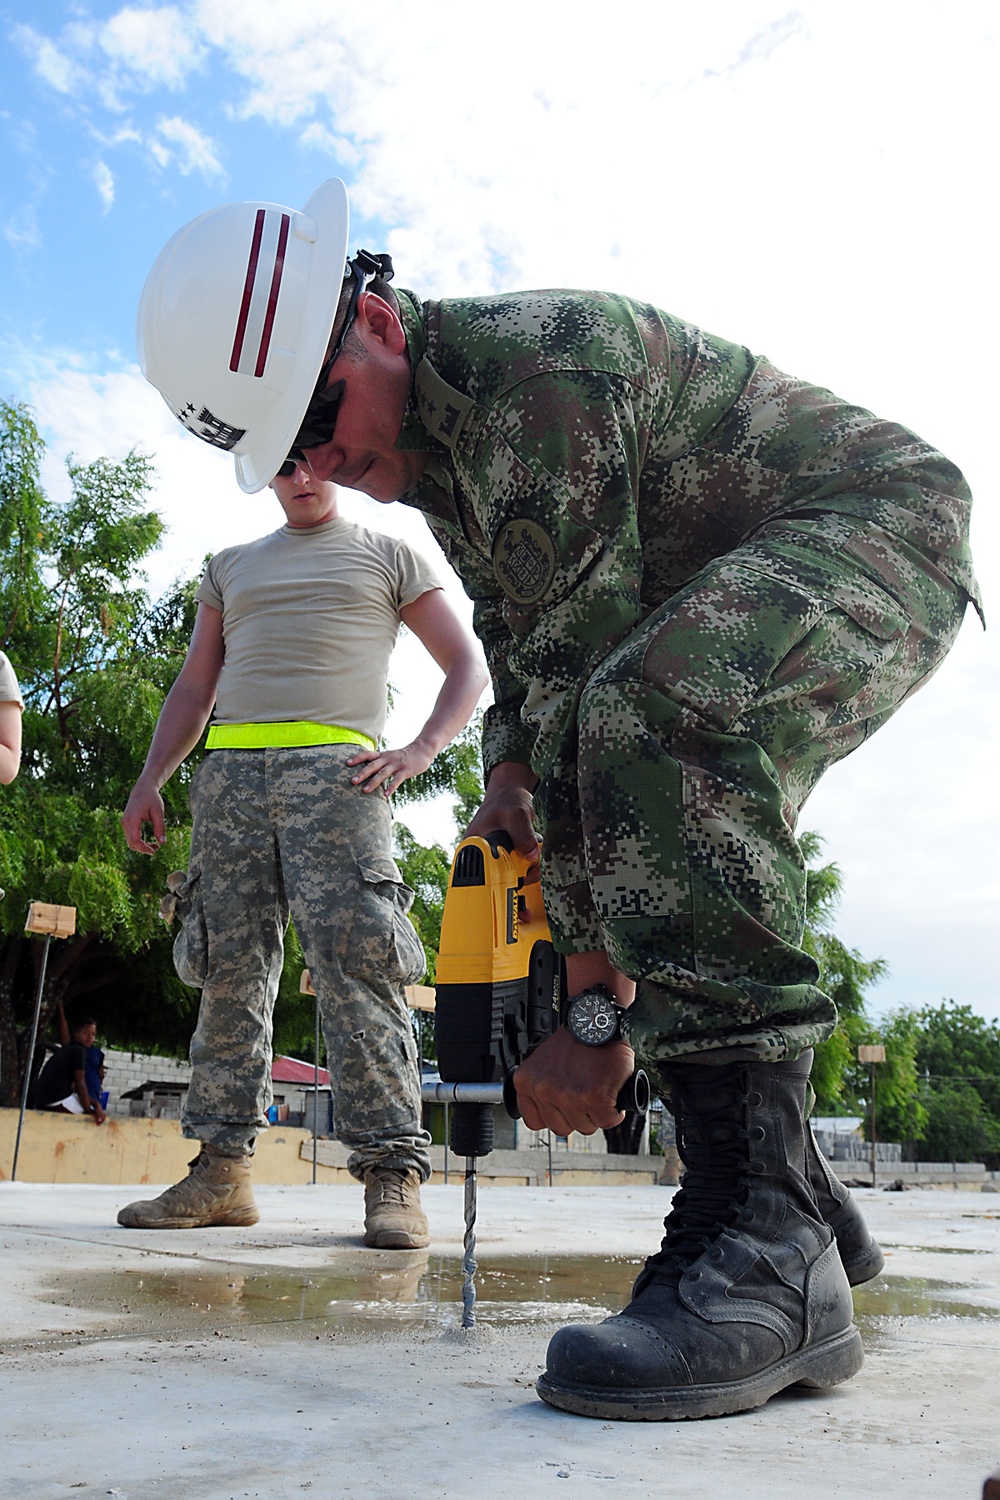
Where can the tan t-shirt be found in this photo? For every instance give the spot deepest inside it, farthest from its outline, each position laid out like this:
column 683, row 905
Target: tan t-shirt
column 310, row 617
column 9, row 690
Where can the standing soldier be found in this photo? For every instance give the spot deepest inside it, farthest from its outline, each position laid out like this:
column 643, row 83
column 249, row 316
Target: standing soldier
column 291, row 645
column 699, row 582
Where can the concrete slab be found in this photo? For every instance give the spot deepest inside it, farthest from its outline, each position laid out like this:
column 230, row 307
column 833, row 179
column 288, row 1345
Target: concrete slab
column 285, row 1359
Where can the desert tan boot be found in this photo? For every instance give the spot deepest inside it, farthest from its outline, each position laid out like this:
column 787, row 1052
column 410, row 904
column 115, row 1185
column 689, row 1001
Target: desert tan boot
column 216, row 1191
column 394, row 1219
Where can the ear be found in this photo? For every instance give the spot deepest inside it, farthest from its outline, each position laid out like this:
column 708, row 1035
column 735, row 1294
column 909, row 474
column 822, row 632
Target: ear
column 382, row 322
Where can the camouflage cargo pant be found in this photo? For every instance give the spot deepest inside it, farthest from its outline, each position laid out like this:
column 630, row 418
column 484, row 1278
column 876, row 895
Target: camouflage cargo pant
column 670, row 819
column 284, row 829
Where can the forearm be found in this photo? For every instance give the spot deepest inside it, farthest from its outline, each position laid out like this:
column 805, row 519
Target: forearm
column 10, row 741
column 511, row 776
column 182, row 721
column 80, row 1089
column 454, row 705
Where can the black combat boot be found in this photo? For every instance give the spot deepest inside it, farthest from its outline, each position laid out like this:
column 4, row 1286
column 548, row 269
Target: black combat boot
column 747, row 1294
column 859, row 1249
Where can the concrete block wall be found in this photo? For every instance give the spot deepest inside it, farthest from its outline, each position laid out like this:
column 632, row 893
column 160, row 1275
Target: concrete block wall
column 127, row 1070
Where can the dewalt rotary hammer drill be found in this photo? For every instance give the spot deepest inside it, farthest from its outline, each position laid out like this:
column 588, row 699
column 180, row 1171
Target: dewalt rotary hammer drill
column 500, row 990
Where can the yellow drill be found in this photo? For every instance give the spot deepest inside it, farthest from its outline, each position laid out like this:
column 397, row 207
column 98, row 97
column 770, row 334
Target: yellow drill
column 500, row 989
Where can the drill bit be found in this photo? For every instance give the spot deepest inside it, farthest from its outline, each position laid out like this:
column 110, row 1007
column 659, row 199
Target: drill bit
column 469, row 1259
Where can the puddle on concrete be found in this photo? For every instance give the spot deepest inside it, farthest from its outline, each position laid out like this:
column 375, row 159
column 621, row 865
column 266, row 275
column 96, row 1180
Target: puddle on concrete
column 416, row 1290
column 879, row 1304
column 412, row 1289
column 931, row 1249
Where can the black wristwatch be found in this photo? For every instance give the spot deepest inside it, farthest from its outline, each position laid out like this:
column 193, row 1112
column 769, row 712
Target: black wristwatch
column 593, row 1016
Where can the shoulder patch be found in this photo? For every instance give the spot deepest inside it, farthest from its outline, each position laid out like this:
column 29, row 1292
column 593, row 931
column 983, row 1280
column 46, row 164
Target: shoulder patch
column 524, row 559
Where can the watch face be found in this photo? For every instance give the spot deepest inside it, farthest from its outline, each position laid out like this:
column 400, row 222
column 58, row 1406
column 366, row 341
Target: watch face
column 593, row 1018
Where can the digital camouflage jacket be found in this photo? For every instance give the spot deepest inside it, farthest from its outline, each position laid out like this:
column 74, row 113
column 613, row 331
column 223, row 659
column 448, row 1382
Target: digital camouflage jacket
column 590, row 454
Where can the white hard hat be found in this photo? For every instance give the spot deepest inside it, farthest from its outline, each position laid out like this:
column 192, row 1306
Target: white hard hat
column 235, row 319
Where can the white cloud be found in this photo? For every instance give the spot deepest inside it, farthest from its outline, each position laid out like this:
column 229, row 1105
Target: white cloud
column 321, row 139
column 90, row 415
column 61, row 71
column 156, row 46
column 187, row 146
column 105, row 184
column 21, row 231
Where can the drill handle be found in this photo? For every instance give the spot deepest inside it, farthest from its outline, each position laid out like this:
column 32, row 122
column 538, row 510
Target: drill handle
column 633, row 1096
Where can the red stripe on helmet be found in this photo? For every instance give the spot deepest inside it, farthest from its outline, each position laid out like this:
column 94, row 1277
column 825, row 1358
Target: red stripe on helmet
column 241, row 322
column 272, row 301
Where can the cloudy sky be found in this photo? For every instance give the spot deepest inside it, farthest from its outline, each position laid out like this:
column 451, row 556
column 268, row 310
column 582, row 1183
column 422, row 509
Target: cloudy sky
column 816, row 181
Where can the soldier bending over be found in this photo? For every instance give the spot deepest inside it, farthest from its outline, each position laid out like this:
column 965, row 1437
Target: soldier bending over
column 700, row 582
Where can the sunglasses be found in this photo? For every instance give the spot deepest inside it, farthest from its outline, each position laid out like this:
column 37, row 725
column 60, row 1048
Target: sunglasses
column 320, row 420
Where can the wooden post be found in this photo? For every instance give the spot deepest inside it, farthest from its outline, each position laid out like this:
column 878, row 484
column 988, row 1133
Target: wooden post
column 49, row 922
column 306, row 988
column 872, row 1055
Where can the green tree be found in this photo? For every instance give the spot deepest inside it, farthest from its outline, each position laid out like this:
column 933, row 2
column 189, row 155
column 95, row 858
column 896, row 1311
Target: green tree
column 958, row 1058
column 845, row 976
column 958, row 1125
column 901, row 1108
column 954, row 1042
column 94, row 658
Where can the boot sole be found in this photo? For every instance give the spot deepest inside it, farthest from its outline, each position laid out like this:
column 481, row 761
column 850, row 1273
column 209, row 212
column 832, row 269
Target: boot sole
column 820, row 1366
column 242, row 1219
column 395, row 1239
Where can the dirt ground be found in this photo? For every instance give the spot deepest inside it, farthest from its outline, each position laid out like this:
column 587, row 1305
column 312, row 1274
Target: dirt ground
column 287, row 1359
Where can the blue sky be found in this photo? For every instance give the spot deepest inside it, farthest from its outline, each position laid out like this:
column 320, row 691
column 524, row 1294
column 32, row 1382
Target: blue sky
column 814, row 180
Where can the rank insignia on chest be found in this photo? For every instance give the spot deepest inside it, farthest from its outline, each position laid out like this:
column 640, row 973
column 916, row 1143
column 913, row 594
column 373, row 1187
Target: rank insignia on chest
column 524, row 559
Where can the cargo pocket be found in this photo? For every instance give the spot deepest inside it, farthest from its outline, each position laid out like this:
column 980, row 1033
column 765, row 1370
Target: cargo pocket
column 382, row 941
column 183, row 903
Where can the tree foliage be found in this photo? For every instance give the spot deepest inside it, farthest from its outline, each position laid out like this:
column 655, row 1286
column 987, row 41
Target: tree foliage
column 957, row 1055
column 845, row 976
column 94, row 658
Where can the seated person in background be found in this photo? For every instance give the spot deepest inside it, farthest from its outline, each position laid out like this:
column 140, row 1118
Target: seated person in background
column 11, row 704
column 94, row 1069
column 62, row 1083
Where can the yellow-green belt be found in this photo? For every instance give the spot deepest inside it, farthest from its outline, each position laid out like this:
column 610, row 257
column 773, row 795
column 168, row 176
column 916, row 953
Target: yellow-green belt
column 290, row 735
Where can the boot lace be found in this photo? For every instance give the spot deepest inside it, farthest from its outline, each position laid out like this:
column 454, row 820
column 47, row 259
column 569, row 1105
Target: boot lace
column 714, row 1189
column 390, row 1185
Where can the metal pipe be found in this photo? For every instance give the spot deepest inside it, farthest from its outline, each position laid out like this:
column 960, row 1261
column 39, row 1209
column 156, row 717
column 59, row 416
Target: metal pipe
column 316, row 1090
column 433, row 1091
column 31, row 1052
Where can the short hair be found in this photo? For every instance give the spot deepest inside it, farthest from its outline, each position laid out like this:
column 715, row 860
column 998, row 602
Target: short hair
column 381, row 287
column 83, row 1021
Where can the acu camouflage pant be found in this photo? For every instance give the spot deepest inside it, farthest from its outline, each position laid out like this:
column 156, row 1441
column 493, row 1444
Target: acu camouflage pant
column 284, row 829
column 669, row 822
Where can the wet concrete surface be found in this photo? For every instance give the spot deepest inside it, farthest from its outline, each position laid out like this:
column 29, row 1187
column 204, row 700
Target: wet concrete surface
column 417, row 1290
column 286, row 1358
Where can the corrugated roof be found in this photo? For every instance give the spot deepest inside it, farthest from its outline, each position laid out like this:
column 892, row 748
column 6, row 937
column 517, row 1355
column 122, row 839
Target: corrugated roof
column 290, row 1070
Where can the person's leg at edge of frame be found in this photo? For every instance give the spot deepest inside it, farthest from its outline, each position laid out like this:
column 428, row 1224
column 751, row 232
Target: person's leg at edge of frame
column 747, row 1294
column 349, row 908
column 238, row 897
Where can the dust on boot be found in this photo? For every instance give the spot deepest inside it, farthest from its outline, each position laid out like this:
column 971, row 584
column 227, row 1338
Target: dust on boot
column 747, row 1294
column 394, row 1219
column 216, row 1192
